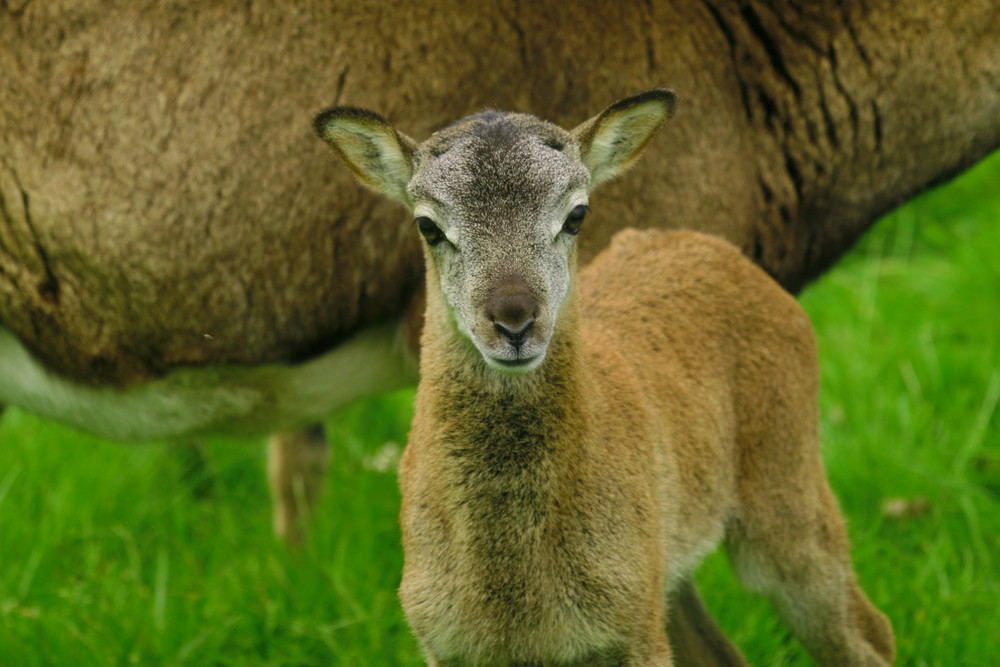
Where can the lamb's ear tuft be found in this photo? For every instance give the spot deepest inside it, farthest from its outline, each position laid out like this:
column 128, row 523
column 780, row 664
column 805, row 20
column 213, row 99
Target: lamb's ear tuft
column 379, row 156
column 615, row 138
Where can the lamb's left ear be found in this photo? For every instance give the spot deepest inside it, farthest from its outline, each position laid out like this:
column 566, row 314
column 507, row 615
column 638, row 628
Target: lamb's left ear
column 379, row 155
column 615, row 138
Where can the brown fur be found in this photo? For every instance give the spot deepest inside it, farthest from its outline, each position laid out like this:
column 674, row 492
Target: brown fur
column 163, row 184
column 677, row 405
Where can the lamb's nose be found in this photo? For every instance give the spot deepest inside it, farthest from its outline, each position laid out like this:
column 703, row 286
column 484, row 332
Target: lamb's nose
column 515, row 336
column 513, row 314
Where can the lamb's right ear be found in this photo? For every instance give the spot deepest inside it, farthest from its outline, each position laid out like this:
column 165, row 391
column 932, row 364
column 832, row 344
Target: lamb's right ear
column 379, row 156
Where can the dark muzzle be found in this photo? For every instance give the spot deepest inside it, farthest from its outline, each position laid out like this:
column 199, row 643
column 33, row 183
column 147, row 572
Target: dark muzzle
column 512, row 311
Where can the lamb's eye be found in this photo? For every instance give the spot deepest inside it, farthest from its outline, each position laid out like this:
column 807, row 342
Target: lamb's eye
column 431, row 232
column 575, row 219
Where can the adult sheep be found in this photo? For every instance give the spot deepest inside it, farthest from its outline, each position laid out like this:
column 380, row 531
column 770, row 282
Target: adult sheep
column 165, row 207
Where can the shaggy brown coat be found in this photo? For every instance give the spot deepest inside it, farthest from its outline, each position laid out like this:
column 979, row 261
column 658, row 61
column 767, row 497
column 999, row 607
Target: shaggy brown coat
column 678, row 404
column 159, row 180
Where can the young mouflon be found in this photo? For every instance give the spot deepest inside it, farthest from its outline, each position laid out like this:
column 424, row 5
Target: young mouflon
column 581, row 442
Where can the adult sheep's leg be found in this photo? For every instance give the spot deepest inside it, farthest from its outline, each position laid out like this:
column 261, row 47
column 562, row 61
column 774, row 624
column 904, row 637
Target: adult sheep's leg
column 369, row 364
column 297, row 467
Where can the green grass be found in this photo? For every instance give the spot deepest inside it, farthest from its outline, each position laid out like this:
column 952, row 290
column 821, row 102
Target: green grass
column 108, row 557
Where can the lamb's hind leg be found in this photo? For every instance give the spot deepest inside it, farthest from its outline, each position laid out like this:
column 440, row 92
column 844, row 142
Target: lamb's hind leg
column 297, row 467
column 695, row 638
column 791, row 544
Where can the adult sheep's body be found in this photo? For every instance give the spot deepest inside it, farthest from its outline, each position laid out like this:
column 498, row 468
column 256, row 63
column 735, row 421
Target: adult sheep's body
column 160, row 181
column 170, row 225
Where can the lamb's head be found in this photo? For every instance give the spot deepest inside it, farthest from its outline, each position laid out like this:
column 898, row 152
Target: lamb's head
column 499, row 199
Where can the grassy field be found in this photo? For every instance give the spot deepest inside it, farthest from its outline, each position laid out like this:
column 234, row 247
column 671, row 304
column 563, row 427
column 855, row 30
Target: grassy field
column 112, row 555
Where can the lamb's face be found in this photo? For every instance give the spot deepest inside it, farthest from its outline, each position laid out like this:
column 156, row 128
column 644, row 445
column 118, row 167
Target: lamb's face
column 499, row 199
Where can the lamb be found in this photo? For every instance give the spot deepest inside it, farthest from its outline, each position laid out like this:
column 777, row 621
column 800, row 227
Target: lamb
column 580, row 443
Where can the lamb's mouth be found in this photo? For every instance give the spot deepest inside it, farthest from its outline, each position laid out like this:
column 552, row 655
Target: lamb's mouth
column 515, row 363
column 516, row 366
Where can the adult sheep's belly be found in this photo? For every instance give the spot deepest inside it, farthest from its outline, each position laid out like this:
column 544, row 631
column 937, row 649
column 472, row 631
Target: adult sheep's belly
column 230, row 399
